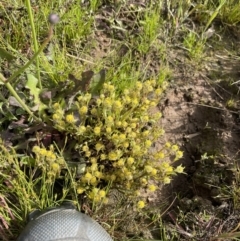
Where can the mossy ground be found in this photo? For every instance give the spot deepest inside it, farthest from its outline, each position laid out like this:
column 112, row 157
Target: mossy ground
column 192, row 46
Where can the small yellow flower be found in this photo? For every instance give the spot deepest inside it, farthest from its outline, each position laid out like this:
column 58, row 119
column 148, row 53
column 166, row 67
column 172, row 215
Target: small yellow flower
column 148, row 86
column 139, row 85
column 99, row 101
column 117, row 105
column 128, row 176
column 55, row 167
column 145, row 118
column 107, row 103
column 165, row 165
column 93, row 181
column 148, row 168
column 87, row 153
column 102, row 193
column 160, row 155
column 168, row 144
column 153, row 103
column 113, row 177
column 132, row 135
column 51, row 156
column 146, row 102
column 42, row 152
column 169, row 170
column 80, row 98
column 128, row 130
column 83, row 110
column 133, row 125
column 88, row 176
column 158, row 91
column 93, row 160
column 56, row 106
column 110, row 88
column 179, row 154
column 140, row 204
column 174, row 148
column 128, row 185
column 179, row 169
column 154, row 172
column 94, row 167
column 126, row 144
column 136, row 150
column 36, row 149
column 56, row 117
column 85, row 148
column 118, row 123
column 109, row 120
column 124, row 124
column 97, row 130
column 148, row 143
column 103, row 157
column 61, row 161
column 166, row 180
column 81, row 130
column 80, row 190
column 70, row 118
column 99, row 146
column 97, row 199
column 130, row 161
column 94, row 111
column 98, row 174
column 152, row 188
column 108, row 130
column 161, row 132
column 112, row 156
column 153, row 82
column 145, row 133
column 120, row 162
column 164, row 85
column 135, row 102
column 157, row 115
column 87, row 97
column 127, row 100
column 122, row 137
column 137, row 193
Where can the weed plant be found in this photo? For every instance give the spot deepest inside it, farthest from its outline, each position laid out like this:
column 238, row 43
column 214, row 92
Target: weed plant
column 114, row 135
column 111, row 130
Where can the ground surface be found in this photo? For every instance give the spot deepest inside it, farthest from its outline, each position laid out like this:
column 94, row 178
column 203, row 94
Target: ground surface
column 197, row 117
column 200, row 113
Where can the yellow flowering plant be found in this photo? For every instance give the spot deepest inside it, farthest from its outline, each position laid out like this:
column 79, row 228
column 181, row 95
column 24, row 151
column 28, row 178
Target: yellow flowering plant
column 114, row 133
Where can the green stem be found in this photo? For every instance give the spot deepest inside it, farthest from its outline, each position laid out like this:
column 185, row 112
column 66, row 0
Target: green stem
column 24, row 106
column 28, row 3
column 22, row 69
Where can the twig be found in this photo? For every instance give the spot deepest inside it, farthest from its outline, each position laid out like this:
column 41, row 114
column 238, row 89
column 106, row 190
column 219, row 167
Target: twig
column 217, row 108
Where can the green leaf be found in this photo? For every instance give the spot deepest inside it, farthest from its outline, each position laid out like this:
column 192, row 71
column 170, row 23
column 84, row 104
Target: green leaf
column 32, row 86
column 97, row 82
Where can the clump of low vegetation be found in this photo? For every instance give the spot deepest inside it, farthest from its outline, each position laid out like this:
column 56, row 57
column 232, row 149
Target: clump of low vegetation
column 79, row 139
column 114, row 135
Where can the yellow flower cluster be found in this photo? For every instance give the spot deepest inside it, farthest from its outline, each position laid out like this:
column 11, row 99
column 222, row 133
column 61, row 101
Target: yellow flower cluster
column 115, row 134
column 48, row 160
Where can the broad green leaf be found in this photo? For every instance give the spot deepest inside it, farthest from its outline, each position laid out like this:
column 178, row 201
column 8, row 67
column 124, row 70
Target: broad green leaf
column 32, row 86
column 97, row 82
